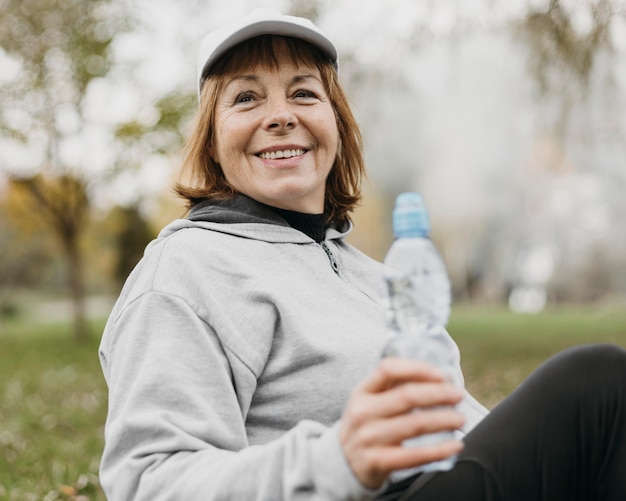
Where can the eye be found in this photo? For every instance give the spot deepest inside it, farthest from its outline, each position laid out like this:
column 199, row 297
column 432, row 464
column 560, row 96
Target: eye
column 305, row 94
column 245, row 97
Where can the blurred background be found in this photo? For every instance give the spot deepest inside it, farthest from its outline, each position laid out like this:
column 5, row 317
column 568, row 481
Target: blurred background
column 508, row 116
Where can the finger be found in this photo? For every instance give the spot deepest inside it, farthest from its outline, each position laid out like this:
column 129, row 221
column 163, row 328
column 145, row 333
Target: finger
column 372, row 466
column 395, row 430
column 392, row 371
column 406, row 397
column 364, row 407
column 401, row 457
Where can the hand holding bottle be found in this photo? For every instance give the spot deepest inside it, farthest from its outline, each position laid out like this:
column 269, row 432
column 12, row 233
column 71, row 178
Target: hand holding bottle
column 378, row 419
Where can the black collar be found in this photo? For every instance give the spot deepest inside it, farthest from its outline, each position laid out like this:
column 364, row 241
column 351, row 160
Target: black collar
column 242, row 209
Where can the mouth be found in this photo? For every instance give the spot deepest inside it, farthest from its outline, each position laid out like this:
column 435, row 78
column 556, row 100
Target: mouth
column 288, row 153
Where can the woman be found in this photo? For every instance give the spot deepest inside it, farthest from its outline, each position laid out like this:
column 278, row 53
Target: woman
column 243, row 355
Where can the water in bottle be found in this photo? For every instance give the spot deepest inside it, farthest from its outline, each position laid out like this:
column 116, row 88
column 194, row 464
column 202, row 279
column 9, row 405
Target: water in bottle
column 419, row 305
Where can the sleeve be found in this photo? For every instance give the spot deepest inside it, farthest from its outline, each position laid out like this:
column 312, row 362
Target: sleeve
column 176, row 429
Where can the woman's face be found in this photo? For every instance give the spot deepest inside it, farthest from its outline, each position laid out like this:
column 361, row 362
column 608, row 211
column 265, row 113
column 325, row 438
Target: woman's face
column 276, row 135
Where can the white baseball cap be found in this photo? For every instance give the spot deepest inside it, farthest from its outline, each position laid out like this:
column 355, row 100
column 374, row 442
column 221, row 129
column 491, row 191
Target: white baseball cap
column 260, row 22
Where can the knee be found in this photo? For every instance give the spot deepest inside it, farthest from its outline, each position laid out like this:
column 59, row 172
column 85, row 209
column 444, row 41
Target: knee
column 594, row 361
column 585, row 374
column 596, row 354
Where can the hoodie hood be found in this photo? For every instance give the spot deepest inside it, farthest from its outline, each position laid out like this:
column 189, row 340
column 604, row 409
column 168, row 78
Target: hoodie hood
column 244, row 217
column 241, row 209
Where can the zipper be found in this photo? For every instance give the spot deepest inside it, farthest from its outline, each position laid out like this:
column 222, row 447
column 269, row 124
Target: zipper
column 331, row 258
column 335, row 266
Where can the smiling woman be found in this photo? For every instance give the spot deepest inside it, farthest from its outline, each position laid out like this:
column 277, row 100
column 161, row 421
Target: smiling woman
column 300, row 76
column 243, row 356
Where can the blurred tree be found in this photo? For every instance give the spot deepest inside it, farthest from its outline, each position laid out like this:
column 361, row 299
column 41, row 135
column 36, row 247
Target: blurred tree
column 62, row 205
column 564, row 39
column 559, row 44
column 131, row 232
column 26, row 256
column 60, row 51
column 60, row 47
column 575, row 171
column 139, row 139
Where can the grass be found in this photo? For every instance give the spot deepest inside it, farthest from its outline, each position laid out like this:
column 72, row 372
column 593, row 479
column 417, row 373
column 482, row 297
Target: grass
column 53, row 397
column 499, row 348
column 52, row 411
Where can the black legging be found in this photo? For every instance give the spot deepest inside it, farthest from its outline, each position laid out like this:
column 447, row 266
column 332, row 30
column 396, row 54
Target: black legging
column 560, row 436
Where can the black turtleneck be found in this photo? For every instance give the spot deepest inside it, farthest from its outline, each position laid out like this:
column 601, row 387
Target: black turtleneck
column 312, row 225
column 244, row 209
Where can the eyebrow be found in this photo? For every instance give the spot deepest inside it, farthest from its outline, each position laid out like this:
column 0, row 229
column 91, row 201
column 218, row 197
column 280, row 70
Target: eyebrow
column 305, row 76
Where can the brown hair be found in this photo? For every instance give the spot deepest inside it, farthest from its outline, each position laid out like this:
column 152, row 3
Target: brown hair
column 343, row 185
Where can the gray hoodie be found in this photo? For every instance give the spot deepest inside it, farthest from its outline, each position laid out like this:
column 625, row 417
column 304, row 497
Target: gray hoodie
column 230, row 355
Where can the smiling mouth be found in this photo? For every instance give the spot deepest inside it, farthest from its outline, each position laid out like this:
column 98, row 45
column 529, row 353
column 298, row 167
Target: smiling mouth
column 272, row 155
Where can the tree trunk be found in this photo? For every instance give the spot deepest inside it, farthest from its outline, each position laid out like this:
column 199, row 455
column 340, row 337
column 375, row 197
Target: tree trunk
column 77, row 289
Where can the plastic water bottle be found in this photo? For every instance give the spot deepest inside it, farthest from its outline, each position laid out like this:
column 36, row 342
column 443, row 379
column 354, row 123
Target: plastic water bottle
column 419, row 305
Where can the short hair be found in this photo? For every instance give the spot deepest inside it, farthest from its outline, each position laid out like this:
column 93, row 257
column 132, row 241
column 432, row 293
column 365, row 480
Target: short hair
column 206, row 178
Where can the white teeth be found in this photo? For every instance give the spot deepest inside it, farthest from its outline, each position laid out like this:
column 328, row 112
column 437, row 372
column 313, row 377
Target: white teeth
column 271, row 155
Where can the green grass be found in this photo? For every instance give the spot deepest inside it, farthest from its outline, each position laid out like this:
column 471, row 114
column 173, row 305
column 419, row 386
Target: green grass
column 53, row 397
column 499, row 348
column 52, row 412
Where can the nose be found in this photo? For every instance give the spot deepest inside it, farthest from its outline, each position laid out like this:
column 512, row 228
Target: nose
column 280, row 115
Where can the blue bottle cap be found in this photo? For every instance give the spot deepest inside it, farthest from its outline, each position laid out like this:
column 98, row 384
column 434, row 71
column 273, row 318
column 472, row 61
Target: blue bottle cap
column 410, row 216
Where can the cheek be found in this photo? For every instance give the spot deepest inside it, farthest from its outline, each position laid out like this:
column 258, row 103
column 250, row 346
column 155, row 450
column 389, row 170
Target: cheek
column 231, row 140
column 222, row 137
